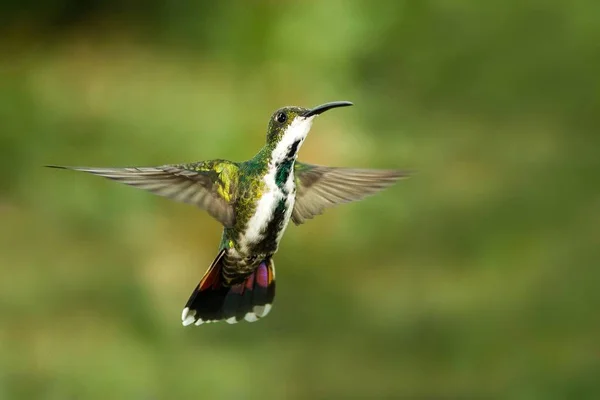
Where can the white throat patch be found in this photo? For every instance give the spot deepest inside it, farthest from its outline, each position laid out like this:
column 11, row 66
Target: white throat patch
column 296, row 131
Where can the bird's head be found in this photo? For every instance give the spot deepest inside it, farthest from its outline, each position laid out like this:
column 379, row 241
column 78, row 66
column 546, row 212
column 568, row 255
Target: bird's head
column 289, row 126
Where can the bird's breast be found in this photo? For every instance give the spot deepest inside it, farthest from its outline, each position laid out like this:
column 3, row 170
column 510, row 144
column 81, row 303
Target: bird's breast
column 272, row 212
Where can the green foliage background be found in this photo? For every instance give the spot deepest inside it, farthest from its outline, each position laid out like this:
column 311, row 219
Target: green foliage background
column 477, row 278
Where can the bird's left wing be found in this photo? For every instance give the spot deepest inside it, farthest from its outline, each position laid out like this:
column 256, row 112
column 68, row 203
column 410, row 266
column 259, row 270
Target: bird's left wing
column 321, row 187
column 209, row 185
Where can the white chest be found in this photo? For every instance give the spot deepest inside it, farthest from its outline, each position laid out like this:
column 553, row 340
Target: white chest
column 266, row 208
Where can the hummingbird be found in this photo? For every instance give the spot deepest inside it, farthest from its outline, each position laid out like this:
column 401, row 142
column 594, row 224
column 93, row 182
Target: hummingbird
column 254, row 200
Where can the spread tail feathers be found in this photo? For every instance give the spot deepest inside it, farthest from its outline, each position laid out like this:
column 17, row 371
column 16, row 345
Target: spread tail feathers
column 213, row 300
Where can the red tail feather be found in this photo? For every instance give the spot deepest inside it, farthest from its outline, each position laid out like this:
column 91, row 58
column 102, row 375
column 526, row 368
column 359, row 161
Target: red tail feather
column 213, row 300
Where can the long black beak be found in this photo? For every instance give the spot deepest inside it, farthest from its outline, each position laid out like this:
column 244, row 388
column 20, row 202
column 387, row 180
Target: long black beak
column 327, row 106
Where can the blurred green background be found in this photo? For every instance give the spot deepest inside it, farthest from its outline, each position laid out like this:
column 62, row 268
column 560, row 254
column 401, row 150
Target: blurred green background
column 478, row 278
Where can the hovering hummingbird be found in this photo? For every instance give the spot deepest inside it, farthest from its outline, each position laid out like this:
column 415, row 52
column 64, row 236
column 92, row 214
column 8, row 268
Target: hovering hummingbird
column 254, row 200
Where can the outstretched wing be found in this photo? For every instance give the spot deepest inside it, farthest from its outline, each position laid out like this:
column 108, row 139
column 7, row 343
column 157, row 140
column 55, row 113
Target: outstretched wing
column 320, row 187
column 209, row 185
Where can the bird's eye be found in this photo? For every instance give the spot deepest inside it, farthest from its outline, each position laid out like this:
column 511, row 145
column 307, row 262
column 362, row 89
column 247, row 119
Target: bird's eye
column 281, row 117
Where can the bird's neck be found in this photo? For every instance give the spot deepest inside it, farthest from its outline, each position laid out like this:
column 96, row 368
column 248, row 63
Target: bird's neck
column 275, row 167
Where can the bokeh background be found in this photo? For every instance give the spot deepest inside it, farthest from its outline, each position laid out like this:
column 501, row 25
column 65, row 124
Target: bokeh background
column 478, row 278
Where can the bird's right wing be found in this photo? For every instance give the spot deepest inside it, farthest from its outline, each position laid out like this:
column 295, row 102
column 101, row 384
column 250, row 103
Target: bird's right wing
column 321, row 187
column 209, row 185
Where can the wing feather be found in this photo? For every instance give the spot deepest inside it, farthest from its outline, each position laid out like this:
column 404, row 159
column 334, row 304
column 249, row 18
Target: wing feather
column 201, row 184
column 321, row 187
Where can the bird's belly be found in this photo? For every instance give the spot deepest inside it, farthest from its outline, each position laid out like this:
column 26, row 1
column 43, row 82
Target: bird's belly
column 266, row 226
